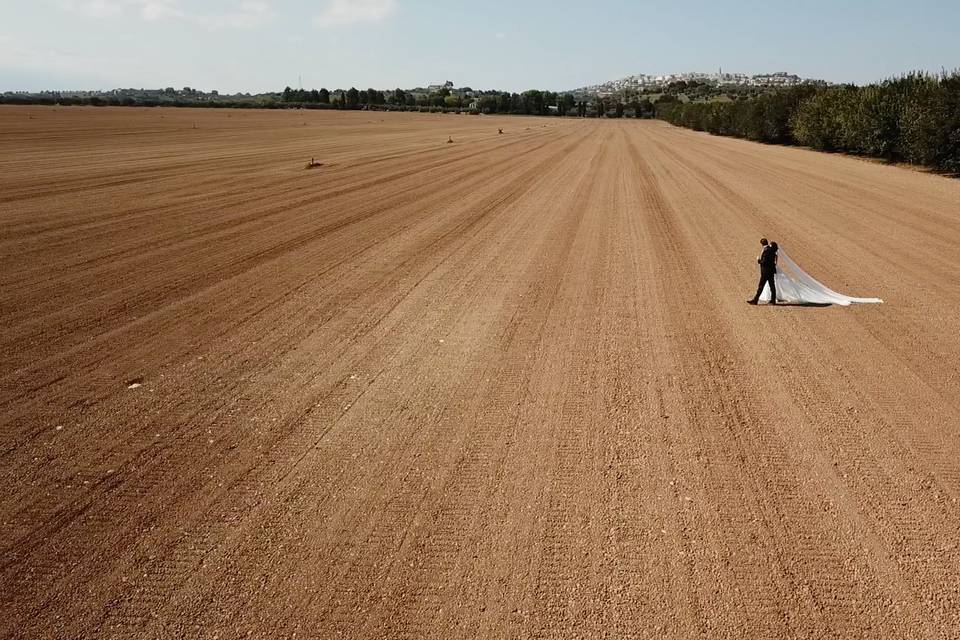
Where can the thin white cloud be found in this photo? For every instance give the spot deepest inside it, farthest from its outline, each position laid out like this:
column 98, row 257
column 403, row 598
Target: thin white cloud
column 339, row 12
column 150, row 10
column 245, row 15
column 25, row 57
column 248, row 15
column 157, row 10
column 95, row 8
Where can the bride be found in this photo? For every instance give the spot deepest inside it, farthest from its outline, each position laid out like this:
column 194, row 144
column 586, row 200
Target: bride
column 794, row 286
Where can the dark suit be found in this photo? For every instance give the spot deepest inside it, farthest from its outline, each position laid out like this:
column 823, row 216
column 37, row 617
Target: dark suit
column 768, row 270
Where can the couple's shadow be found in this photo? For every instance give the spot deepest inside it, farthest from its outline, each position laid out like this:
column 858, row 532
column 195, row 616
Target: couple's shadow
column 817, row 305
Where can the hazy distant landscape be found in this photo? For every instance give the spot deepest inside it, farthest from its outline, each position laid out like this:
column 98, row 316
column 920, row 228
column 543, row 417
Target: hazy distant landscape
column 914, row 118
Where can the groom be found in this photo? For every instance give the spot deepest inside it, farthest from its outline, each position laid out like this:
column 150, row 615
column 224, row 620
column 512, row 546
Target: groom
column 768, row 270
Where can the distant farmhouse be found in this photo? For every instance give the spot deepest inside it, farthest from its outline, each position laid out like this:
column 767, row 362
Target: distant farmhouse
column 437, row 88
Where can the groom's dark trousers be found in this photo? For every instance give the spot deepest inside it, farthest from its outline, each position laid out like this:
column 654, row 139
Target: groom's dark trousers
column 767, row 276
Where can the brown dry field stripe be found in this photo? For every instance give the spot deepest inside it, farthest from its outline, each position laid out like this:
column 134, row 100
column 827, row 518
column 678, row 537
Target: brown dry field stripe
column 501, row 388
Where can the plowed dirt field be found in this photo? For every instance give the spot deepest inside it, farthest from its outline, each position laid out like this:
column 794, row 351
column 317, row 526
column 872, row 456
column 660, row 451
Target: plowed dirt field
column 503, row 387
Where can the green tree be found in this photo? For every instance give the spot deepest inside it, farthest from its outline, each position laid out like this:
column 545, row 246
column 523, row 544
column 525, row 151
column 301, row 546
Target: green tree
column 550, row 99
column 532, row 102
column 646, row 108
column 374, row 97
column 816, row 122
column 489, row 103
column 352, row 98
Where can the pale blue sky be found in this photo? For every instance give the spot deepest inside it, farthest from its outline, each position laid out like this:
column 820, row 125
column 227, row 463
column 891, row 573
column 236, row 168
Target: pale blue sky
column 260, row 45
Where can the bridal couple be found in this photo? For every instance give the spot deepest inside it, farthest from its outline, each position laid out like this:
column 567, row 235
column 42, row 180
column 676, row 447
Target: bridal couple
column 791, row 285
column 768, row 271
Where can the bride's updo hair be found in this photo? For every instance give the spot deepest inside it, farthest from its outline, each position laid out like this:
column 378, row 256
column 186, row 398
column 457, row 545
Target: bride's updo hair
column 775, row 246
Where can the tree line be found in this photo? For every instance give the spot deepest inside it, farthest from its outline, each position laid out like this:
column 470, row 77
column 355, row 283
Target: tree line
column 914, row 118
column 531, row 102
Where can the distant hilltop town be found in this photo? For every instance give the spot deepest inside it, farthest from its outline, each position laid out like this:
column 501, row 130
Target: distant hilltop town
column 644, row 82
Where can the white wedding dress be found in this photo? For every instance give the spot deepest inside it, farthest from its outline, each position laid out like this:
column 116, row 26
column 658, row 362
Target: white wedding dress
column 796, row 287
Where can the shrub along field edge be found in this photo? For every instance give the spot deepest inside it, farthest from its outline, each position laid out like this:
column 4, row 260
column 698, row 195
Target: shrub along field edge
column 914, row 119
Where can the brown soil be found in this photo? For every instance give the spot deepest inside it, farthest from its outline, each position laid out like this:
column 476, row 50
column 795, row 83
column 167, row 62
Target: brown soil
column 503, row 388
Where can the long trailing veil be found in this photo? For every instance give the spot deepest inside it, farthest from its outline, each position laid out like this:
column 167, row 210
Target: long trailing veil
column 794, row 286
